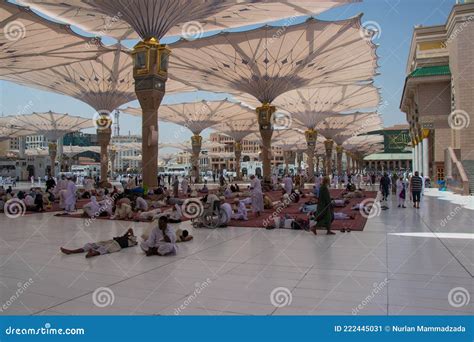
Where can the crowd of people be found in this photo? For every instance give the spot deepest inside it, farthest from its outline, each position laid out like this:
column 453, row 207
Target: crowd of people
column 229, row 201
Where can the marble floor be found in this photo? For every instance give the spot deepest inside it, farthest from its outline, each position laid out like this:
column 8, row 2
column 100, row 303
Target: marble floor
column 405, row 262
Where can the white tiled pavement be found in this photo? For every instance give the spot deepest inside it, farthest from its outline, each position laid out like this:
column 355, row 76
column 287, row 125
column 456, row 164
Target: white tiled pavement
column 239, row 268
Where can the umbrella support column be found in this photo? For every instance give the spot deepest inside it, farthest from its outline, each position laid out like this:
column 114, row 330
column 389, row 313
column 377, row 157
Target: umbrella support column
column 238, row 156
column 311, row 136
column 265, row 113
column 196, row 144
column 150, row 71
column 339, row 151
column 53, row 150
column 328, row 144
column 103, row 136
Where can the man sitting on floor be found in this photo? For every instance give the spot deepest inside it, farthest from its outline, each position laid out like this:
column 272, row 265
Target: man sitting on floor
column 105, row 247
column 162, row 240
column 123, row 209
column 240, row 210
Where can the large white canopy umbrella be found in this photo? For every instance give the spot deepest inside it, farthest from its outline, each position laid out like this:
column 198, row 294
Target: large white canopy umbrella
column 53, row 126
column 306, row 108
column 268, row 61
column 153, row 20
column 28, row 41
column 357, row 147
column 133, row 19
column 198, row 116
column 338, row 128
column 104, row 83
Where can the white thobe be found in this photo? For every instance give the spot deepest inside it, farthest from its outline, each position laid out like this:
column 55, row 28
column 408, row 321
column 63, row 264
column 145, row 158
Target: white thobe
column 257, row 195
column 241, row 213
column 156, row 240
column 70, row 200
column 288, row 184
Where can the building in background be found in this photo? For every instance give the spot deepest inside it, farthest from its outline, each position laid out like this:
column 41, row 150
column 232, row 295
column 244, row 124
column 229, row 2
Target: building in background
column 397, row 155
column 122, row 164
column 80, row 139
column 250, row 152
column 438, row 99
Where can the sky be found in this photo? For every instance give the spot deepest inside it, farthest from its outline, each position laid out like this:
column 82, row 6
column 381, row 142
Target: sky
column 394, row 20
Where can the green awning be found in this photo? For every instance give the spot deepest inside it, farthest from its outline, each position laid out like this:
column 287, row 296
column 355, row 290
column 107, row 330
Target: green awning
column 437, row 70
column 388, row 156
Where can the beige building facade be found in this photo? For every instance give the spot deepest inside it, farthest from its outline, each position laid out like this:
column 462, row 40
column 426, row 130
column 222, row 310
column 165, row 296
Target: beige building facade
column 438, row 99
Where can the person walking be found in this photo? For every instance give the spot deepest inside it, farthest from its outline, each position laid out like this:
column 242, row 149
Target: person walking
column 416, row 185
column 401, row 192
column 384, row 186
column 324, row 211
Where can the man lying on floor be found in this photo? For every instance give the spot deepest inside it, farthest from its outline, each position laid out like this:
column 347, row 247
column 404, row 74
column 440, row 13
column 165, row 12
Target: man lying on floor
column 105, row 247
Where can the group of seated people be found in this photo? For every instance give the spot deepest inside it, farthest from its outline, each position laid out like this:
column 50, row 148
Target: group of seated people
column 33, row 200
column 160, row 240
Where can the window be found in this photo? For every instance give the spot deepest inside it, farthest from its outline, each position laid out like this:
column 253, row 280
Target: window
column 440, row 173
